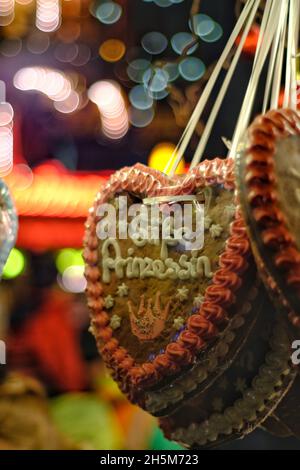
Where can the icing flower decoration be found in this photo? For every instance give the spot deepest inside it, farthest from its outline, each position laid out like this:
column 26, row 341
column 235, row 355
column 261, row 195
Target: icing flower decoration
column 198, row 301
column 182, row 293
column 122, row 290
column 215, row 230
column 115, row 322
column 109, row 301
column 207, row 222
column 178, row 323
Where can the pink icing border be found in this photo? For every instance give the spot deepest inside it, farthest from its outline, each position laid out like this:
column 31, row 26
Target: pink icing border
column 219, row 296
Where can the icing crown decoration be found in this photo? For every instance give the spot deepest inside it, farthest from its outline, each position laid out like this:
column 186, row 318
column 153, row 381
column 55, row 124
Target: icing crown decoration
column 150, row 320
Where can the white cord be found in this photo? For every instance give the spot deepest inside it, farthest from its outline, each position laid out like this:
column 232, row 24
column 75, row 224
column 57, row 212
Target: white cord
column 267, row 39
column 276, row 61
column 190, row 128
column 218, row 103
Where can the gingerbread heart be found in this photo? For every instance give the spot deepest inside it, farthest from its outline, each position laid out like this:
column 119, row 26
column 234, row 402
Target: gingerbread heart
column 156, row 307
column 269, row 191
column 255, row 384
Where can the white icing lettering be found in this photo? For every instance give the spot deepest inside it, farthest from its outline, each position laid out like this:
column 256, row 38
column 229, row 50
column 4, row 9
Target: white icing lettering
column 136, row 267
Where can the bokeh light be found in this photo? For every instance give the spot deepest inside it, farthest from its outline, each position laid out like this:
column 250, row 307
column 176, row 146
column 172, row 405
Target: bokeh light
column 68, row 105
column 73, row 280
column 6, row 114
column 139, row 98
column 202, row 24
column 114, row 117
column 141, row 118
column 154, row 42
column 215, row 35
column 163, row 3
column 156, row 79
column 162, row 154
column 68, row 257
column 137, row 68
column 7, row 12
column 15, row 264
column 83, row 56
column 184, row 43
column 38, row 42
column 48, row 15
column 108, row 12
column 66, row 52
column 70, row 265
column 158, row 95
column 112, row 50
column 6, row 133
column 172, row 71
column 11, row 47
column 57, row 86
column 6, row 150
column 191, row 68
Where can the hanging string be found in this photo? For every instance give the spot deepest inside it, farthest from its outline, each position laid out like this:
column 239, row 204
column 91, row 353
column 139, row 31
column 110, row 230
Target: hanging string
column 247, row 106
column 218, row 103
column 279, row 63
column 189, row 130
column 276, row 61
column 272, row 36
column 271, row 8
column 290, row 96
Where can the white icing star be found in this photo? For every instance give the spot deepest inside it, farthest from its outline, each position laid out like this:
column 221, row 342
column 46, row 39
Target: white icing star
column 215, row 230
column 122, row 290
column 115, row 322
column 178, row 323
column 230, row 211
column 182, row 294
column 207, row 222
column 109, row 301
column 198, row 300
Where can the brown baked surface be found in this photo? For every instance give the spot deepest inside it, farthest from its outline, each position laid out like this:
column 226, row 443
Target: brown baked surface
column 142, row 350
column 287, row 171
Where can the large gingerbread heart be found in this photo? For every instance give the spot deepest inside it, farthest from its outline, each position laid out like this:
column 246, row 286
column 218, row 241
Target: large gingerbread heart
column 156, row 308
column 269, row 190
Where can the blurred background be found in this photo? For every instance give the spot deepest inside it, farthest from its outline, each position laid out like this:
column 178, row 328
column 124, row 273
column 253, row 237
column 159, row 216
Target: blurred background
column 92, row 86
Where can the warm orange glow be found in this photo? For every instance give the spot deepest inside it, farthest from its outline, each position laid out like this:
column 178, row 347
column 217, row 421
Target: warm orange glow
column 160, row 156
column 53, row 192
column 112, row 50
column 251, row 41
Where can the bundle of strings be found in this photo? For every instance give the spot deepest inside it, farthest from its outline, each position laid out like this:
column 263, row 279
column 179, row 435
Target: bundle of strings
column 280, row 24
